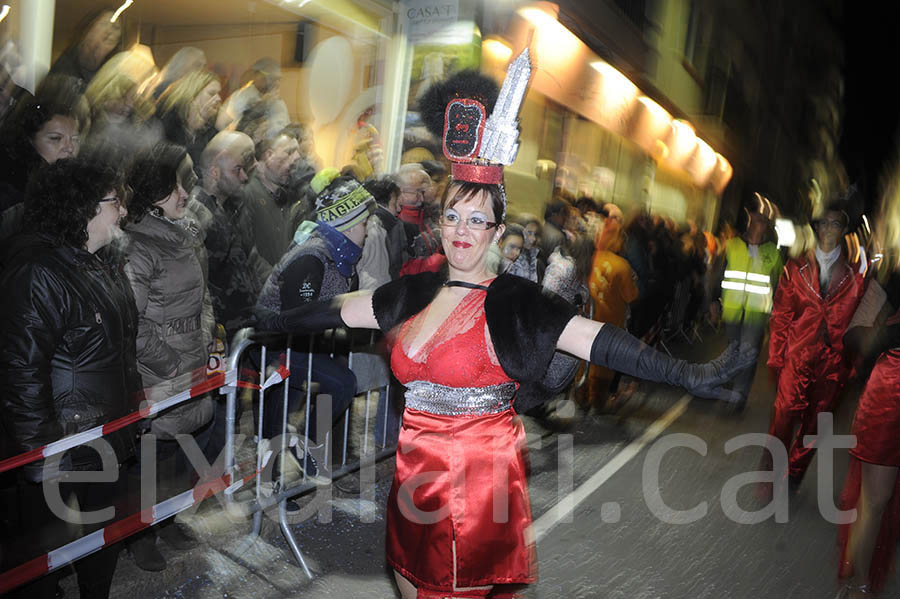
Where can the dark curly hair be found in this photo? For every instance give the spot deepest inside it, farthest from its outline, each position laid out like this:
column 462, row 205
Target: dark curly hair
column 64, row 196
column 154, row 175
column 465, row 84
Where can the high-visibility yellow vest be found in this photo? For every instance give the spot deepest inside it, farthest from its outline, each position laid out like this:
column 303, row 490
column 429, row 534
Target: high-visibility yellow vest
column 749, row 283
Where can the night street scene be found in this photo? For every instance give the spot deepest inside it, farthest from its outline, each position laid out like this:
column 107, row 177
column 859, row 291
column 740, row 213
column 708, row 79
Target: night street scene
column 425, row 299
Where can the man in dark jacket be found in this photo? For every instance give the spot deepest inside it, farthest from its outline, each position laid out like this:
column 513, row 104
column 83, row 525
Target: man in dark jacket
column 67, row 360
column 236, row 270
column 268, row 198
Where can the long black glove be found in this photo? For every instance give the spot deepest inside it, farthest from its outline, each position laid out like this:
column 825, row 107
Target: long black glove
column 313, row 317
column 618, row 350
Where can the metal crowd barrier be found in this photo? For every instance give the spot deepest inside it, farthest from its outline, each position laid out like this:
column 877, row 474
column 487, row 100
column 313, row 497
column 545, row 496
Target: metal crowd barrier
column 227, row 484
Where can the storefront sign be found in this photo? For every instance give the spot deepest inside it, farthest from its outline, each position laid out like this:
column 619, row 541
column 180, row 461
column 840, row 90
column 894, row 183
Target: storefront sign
column 426, row 18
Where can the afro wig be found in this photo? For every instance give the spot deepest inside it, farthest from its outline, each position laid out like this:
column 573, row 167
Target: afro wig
column 465, row 84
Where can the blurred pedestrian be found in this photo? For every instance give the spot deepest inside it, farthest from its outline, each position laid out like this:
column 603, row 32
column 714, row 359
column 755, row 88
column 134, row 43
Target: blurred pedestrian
column 416, row 190
column 184, row 61
column 10, row 93
column 872, row 486
column 556, row 213
column 613, row 288
column 187, row 111
column 387, row 197
column 44, row 128
column 96, row 37
column 268, row 196
column 120, row 114
column 261, row 86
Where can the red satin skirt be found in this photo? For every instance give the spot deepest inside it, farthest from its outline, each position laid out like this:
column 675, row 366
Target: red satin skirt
column 458, row 514
column 877, row 429
column 877, row 420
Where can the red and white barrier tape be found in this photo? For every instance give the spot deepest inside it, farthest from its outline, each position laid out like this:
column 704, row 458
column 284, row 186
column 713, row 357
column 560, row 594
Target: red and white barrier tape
column 115, row 532
column 227, row 379
column 134, row 523
column 278, row 376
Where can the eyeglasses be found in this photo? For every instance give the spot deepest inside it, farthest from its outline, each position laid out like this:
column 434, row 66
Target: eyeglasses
column 117, row 201
column 474, row 223
column 837, row 225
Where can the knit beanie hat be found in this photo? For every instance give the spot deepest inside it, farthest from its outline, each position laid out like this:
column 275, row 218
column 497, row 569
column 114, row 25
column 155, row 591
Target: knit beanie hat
column 341, row 201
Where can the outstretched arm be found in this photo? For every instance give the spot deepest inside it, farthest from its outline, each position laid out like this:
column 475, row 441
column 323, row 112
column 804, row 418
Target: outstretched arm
column 578, row 337
column 353, row 310
column 357, row 311
column 608, row 345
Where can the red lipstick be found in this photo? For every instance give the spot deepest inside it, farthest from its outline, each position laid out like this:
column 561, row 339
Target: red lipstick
column 461, row 244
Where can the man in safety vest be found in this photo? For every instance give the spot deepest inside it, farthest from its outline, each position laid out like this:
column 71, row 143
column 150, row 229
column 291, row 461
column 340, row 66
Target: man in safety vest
column 752, row 268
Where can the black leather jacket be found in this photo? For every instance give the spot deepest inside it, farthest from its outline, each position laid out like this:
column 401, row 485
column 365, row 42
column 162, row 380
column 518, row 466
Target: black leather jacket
column 67, row 360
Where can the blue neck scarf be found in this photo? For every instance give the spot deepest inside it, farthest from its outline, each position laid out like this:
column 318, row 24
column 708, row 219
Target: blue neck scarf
column 344, row 252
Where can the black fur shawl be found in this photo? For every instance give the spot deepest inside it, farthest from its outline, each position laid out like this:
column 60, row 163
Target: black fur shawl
column 524, row 321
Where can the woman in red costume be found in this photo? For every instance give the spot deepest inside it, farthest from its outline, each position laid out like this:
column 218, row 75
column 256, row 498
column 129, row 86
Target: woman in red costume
column 872, row 486
column 815, row 300
column 458, row 515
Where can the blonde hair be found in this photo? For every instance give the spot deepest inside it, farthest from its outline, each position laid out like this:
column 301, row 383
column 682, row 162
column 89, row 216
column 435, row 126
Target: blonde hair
column 178, row 96
column 108, row 85
column 887, row 224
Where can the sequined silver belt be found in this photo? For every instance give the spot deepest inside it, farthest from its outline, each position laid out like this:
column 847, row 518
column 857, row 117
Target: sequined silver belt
column 459, row 401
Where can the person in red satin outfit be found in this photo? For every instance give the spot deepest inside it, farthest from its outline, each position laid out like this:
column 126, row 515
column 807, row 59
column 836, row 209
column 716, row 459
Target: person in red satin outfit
column 872, row 486
column 815, row 300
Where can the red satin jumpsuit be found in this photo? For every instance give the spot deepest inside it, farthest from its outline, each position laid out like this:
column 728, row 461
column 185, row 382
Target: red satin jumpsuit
column 806, row 348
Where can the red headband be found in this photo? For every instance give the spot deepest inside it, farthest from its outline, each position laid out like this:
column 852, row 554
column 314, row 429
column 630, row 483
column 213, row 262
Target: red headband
column 477, row 173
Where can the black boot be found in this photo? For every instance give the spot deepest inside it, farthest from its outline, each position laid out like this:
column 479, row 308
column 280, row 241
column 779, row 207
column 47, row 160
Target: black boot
column 176, row 536
column 147, row 557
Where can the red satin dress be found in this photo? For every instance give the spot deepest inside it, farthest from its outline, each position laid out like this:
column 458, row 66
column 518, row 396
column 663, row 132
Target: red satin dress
column 458, row 514
column 877, row 429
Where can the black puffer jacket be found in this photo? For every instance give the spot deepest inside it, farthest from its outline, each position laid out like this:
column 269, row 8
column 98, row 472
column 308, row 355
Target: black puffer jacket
column 67, row 358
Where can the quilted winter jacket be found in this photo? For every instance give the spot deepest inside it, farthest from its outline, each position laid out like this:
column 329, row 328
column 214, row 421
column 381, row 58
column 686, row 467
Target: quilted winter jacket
column 167, row 269
column 66, row 361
